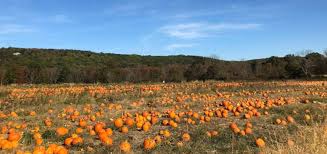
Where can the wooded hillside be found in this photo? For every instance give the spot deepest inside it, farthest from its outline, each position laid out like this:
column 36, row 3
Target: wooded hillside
column 21, row 65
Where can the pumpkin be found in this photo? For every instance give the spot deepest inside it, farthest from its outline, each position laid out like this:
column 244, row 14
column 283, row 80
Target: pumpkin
column 62, row 150
column 247, row 116
column 186, row 137
column 37, row 135
column 165, row 122
column 146, row 127
column 125, row 146
column 39, row 150
column 38, row 141
column 260, row 142
column 207, row 119
column 124, row 129
column 172, row 115
column 4, row 129
column 283, row 123
column 157, row 139
column 242, row 132
column 278, row 121
column 233, row 125
column 68, row 141
column 236, row 130
column 180, row 144
column 102, row 135
column 129, row 122
column 32, row 113
column 149, row 144
column 107, row 141
column 82, row 123
column 196, row 115
column 248, row 130
column 77, row 140
column 109, row 131
column 154, row 120
column 166, row 133
column 61, row 131
column 248, row 125
column 98, row 127
column 139, row 125
column 213, row 133
column 48, row 122
column 119, row 122
column 52, row 147
column 92, row 118
column 5, row 144
column 92, row 132
column 13, row 136
column 307, row 117
column 79, row 130
column 290, row 142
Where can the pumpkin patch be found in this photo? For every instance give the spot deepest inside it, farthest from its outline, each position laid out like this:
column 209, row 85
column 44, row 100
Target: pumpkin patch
column 160, row 117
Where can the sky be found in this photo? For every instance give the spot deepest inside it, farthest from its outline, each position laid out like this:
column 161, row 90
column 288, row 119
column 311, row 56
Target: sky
column 228, row 29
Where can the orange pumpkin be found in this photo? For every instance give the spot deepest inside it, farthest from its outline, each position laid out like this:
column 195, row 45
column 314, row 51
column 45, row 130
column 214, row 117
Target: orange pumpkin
column 77, row 140
column 13, row 136
column 146, row 127
column 260, row 142
column 129, row 122
column 124, row 129
column 149, row 144
column 107, row 141
column 186, row 137
column 82, row 123
column 61, row 131
column 119, row 122
column 68, row 141
column 125, row 146
column 290, row 119
column 109, row 131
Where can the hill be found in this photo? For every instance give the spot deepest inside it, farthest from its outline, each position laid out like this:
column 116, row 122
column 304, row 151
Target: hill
column 26, row 65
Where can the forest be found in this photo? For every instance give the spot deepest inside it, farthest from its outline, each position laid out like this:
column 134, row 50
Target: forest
column 52, row 66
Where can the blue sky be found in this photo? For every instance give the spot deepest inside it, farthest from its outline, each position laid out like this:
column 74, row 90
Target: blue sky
column 229, row 29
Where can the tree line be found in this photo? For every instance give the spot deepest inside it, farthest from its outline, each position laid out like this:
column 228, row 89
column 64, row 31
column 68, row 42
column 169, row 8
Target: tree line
column 51, row 66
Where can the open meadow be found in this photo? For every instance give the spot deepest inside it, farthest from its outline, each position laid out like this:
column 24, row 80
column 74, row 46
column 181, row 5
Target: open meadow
column 190, row 117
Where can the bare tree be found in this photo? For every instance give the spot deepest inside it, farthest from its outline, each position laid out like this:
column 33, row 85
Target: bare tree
column 304, row 52
column 51, row 75
column 214, row 56
column 306, row 66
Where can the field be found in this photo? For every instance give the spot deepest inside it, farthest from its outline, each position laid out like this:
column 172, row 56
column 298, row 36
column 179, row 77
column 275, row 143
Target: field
column 190, row 117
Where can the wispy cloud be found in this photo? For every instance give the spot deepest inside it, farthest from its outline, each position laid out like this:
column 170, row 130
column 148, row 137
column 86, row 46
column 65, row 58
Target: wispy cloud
column 53, row 19
column 14, row 28
column 201, row 13
column 178, row 46
column 131, row 8
column 199, row 30
column 122, row 9
column 128, row 9
column 235, row 10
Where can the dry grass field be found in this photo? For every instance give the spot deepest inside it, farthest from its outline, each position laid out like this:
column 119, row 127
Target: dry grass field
column 191, row 117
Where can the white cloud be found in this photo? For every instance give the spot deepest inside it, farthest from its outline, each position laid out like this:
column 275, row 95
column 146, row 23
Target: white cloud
column 178, row 46
column 14, row 28
column 201, row 13
column 198, row 30
column 127, row 9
